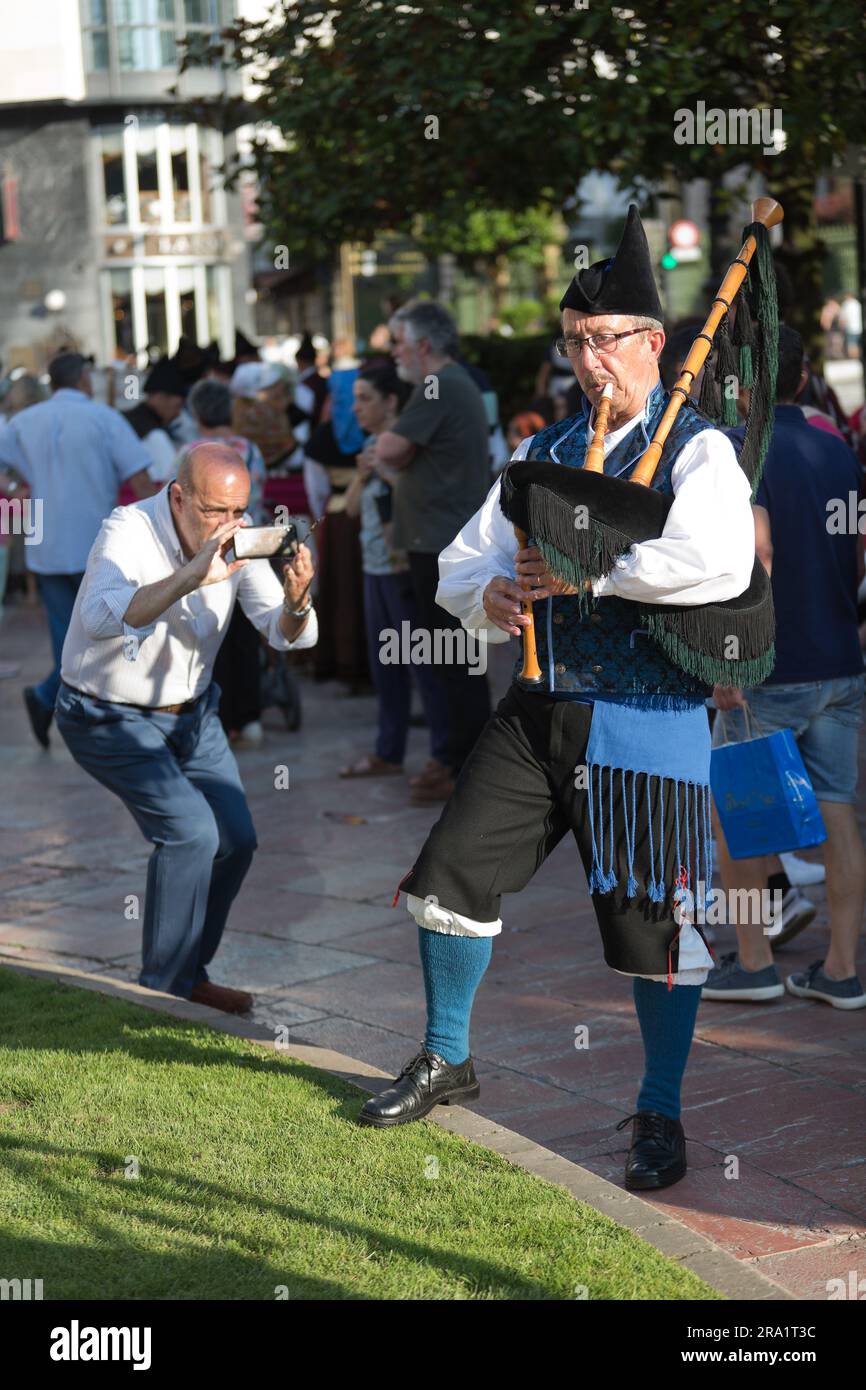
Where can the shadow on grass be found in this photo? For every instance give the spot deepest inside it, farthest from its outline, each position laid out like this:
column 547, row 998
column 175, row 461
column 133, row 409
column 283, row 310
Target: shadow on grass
column 97, row 1261
column 146, row 1035
column 72, row 1273
column 85, row 1193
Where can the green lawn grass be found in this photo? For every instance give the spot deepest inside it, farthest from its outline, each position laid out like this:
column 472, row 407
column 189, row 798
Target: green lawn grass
column 254, row 1176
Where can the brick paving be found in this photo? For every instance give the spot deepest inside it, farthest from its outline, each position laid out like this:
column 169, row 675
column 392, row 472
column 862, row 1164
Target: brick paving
column 780, row 1088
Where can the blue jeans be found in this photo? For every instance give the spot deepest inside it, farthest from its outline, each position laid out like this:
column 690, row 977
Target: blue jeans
column 177, row 776
column 824, row 716
column 389, row 599
column 57, row 592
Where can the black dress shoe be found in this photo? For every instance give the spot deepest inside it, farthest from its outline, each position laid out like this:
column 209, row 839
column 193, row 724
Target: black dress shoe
column 40, row 715
column 657, row 1156
column 425, row 1081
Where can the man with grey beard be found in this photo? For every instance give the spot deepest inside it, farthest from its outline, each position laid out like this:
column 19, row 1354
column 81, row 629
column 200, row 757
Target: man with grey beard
column 440, row 447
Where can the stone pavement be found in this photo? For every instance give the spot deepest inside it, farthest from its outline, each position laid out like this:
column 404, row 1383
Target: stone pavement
column 780, row 1088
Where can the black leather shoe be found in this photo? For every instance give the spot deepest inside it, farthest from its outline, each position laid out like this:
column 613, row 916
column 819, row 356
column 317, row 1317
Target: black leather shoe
column 657, row 1156
column 40, row 715
column 425, row 1081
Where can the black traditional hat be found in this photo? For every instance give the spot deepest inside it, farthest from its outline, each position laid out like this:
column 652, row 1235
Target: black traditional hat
column 306, row 349
column 540, row 496
column 243, row 347
column 189, row 360
column 166, row 376
column 622, row 284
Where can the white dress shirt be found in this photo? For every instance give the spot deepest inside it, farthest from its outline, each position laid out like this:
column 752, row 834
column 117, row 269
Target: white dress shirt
column 171, row 660
column 163, row 455
column 75, row 454
column 705, row 552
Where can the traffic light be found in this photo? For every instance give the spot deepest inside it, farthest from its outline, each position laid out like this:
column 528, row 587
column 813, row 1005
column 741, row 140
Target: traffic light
column 684, row 238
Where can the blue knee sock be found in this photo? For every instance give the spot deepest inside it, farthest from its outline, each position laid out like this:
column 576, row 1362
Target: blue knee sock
column 667, row 1022
column 453, row 967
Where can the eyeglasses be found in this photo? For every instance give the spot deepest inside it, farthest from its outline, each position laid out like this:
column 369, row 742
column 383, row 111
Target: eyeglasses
column 596, row 342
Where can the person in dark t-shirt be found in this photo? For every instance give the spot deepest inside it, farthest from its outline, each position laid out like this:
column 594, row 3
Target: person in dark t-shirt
column 811, row 489
column 440, row 446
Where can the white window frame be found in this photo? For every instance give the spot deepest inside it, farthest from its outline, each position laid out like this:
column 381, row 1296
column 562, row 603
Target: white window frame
column 199, row 140
column 171, row 292
column 177, row 26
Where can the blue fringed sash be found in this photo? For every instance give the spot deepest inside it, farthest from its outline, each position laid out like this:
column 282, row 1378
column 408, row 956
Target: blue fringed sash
column 666, row 744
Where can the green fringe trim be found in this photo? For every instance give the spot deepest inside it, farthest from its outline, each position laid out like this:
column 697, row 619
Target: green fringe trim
column 572, row 553
column 708, row 397
column 763, row 303
column 569, row 569
column 742, row 332
column 747, row 374
column 729, row 410
column 711, row 669
column 727, row 365
column 709, row 627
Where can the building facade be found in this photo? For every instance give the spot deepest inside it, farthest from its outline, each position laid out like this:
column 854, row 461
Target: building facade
column 117, row 233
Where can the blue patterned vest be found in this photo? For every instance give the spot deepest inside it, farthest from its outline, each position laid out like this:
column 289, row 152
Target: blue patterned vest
column 605, row 651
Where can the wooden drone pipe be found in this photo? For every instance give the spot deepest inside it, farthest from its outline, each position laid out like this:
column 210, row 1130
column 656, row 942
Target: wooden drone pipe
column 594, row 461
column 531, row 670
column 768, row 212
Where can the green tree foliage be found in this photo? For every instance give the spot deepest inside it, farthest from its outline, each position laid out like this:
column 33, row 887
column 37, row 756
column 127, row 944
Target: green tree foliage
column 462, row 122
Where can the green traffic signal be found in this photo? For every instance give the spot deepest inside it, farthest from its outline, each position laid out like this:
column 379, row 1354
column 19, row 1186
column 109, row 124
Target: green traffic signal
column 669, row 261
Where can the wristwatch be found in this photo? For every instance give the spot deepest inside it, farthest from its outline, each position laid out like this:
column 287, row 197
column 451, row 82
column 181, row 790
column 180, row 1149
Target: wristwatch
column 297, row 612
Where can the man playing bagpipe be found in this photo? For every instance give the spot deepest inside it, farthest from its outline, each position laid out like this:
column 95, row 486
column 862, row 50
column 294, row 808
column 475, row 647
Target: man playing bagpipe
column 623, row 590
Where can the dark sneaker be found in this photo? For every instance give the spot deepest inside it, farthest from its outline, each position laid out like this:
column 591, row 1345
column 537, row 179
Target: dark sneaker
column 814, row 984
column 657, row 1156
column 797, row 912
column 40, row 715
column 425, row 1081
column 729, row 980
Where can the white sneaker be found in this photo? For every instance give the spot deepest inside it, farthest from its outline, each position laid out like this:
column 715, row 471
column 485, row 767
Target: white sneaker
column 796, row 914
column 800, row 871
column 251, row 736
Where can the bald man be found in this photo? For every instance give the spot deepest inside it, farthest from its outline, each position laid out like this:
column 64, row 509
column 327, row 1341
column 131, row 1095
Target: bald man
column 138, row 707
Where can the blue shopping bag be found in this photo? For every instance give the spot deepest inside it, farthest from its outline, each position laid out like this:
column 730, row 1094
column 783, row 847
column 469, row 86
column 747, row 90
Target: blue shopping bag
column 764, row 797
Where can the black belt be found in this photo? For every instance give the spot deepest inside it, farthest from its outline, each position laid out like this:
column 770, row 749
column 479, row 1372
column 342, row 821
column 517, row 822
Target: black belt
column 183, row 708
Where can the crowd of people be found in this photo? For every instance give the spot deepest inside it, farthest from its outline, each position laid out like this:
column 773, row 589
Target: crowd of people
column 162, row 634
column 386, row 472
column 315, row 441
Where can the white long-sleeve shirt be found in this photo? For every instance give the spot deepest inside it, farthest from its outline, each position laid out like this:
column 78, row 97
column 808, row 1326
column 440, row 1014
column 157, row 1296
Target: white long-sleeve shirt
column 705, row 553
column 171, row 659
column 163, row 452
